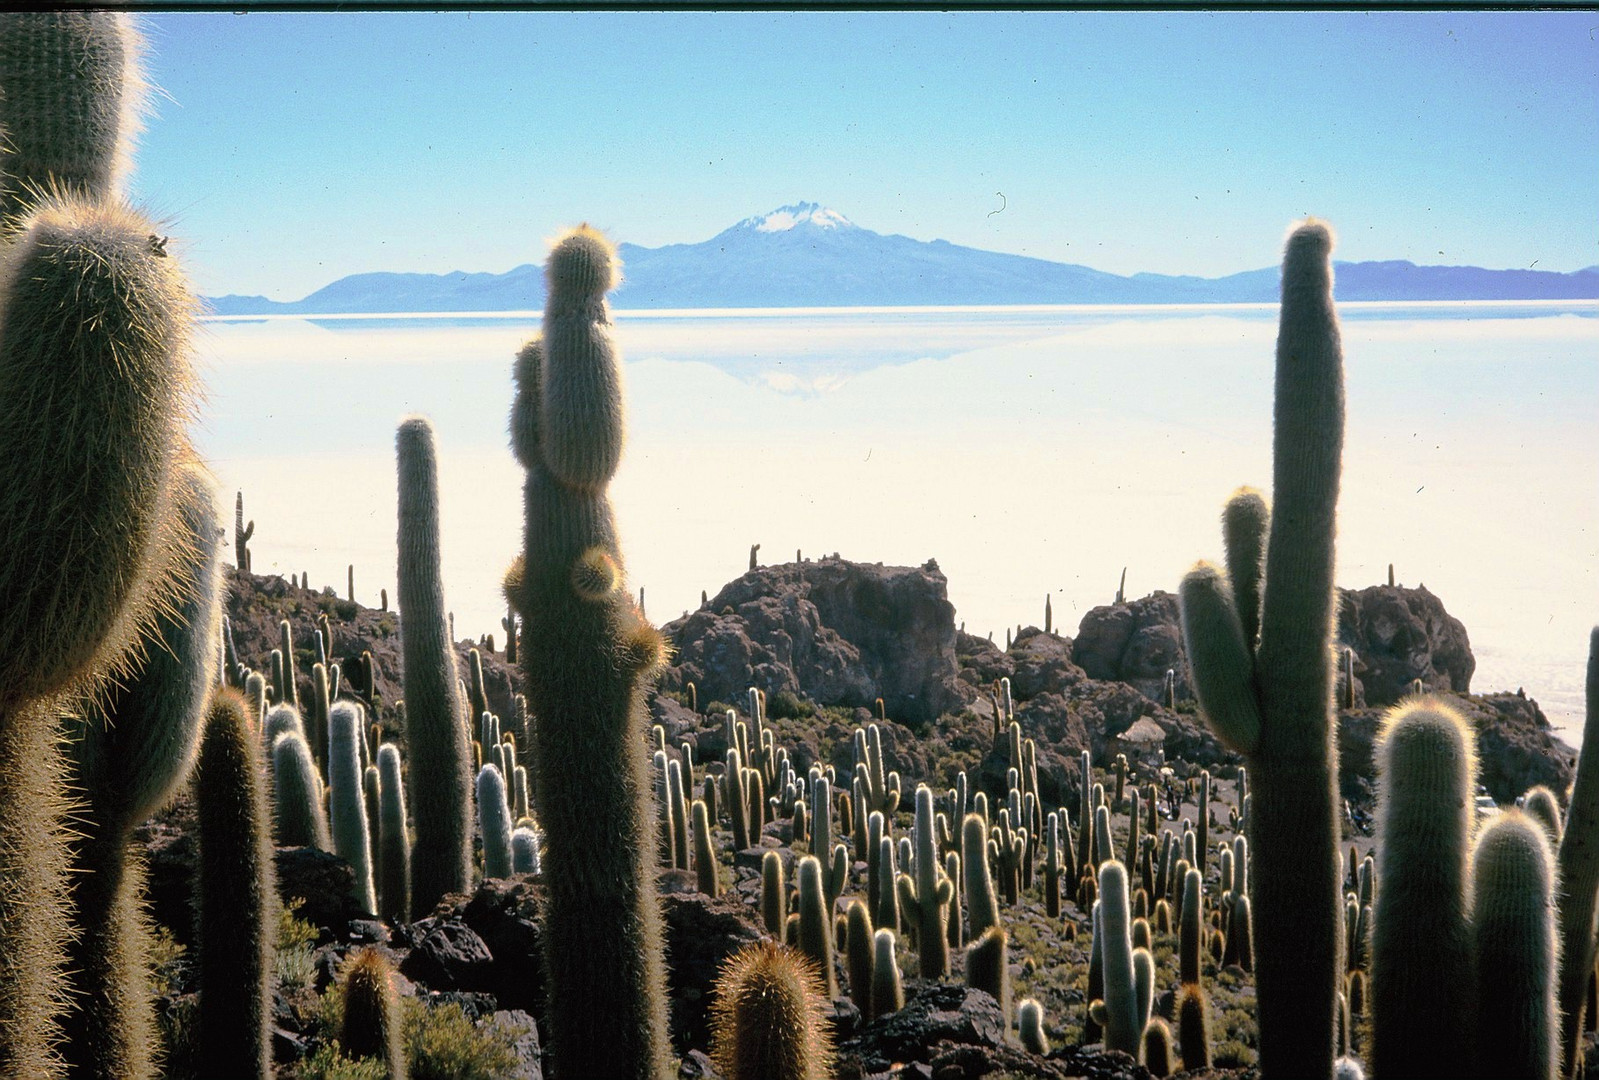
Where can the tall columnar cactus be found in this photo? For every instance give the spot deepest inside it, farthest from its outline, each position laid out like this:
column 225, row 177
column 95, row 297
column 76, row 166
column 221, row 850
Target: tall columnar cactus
column 929, row 897
column 237, row 897
column 494, row 822
column 130, row 752
column 774, row 897
column 769, row 1017
column 299, row 818
column 1273, row 701
column 1421, row 1023
column 73, row 96
column 436, row 738
column 982, row 907
column 394, row 860
column 370, row 1026
column 347, row 800
column 587, row 655
column 1122, row 1027
column 94, row 365
column 707, row 875
column 1579, row 875
column 1190, row 940
column 859, row 957
column 1513, row 927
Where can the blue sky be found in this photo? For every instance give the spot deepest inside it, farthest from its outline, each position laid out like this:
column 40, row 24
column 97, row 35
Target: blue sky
column 288, row 150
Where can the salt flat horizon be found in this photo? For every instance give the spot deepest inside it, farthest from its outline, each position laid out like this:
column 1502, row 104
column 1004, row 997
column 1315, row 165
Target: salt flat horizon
column 1030, row 450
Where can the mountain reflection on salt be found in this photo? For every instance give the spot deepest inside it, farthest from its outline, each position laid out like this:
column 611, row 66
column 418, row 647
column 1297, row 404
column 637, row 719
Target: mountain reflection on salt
column 1028, row 450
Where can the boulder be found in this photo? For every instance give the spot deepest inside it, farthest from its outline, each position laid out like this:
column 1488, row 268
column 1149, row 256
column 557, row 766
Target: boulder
column 837, row 632
column 1134, row 643
column 1400, row 635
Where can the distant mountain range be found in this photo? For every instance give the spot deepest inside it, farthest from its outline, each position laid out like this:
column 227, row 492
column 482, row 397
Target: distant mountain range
column 808, row 256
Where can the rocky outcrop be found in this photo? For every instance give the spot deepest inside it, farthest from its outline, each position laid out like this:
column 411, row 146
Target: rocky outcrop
column 1134, row 643
column 1400, row 635
column 1516, row 747
column 836, row 632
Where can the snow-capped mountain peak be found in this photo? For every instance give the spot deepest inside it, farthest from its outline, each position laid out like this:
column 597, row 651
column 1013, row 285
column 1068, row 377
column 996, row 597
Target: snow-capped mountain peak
column 785, row 218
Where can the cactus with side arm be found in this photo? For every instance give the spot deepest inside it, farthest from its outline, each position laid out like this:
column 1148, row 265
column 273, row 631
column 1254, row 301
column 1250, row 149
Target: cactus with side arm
column 1272, row 700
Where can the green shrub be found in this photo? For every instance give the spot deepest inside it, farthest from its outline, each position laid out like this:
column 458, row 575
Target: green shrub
column 786, row 705
column 443, row 1044
column 327, row 1063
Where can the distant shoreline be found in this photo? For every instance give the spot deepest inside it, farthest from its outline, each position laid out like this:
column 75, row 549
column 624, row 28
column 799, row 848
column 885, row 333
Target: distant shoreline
column 1347, row 306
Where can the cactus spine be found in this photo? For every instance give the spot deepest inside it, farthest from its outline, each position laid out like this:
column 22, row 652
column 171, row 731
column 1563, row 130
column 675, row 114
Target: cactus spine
column 586, row 656
column 1421, row 1022
column 238, row 917
column 436, row 739
column 1273, row 701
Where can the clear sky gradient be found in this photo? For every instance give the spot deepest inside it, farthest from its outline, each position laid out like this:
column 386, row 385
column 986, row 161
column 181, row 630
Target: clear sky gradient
column 288, row 150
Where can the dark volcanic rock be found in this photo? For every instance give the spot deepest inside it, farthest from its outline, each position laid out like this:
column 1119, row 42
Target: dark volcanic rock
column 1043, row 665
column 701, row 933
column 449, row 955
column 324, row 881
column 838, row 632
column 933, row 1013
column 1134, row 643
column 1516, row 747
column 1400, row 635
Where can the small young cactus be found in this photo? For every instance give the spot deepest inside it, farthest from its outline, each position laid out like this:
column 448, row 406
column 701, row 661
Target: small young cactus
column 709, row 880
column 888, row 992
column 238, row 916
column 774, row 897
column 986, row 970
column 1421, row 984
column 394, row 858
column 1157, row 1049
column 371, row 1024
column 1513, row 927
column 524, row 851
column 769, row 1017
column 1193, row 1026
column 494, row 822
column 1030, row 1026
column 347, row 801
column 299, row 820
column 815, row 922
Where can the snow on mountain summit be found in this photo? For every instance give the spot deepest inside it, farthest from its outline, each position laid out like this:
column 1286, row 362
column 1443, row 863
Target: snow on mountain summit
column 785, row 218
